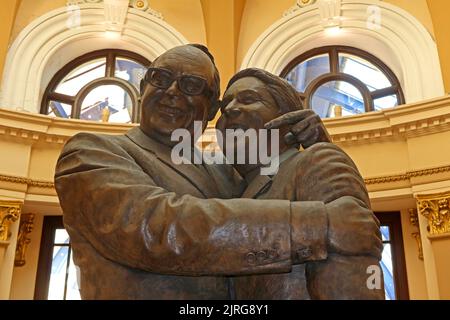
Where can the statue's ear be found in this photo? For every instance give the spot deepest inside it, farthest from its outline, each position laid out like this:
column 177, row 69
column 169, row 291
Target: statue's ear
column 213, row 110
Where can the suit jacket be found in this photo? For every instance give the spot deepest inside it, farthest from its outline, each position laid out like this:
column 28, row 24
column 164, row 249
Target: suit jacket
column 141, row 228
column 322, row 173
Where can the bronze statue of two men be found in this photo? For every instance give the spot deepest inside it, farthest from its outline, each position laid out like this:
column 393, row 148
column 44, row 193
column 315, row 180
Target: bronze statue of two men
column 143, row 227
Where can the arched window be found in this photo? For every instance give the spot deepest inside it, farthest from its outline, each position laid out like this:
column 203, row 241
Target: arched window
column 338, row 80
column 99, row 86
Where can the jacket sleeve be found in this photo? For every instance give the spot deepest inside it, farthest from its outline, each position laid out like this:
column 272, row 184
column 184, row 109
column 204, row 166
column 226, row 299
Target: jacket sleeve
column 328, row 173
column 111, row 202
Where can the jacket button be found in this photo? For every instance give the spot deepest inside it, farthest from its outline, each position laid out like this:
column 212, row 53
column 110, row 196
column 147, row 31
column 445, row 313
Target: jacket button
column 251, row 258
column 304, row 253
column 272, row 254
column 261, row 256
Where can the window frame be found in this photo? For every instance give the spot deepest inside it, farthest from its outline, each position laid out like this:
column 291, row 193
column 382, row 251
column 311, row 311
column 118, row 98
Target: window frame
column 336, row 75
column 108, row 79
column 393, row 221
column 44, row 270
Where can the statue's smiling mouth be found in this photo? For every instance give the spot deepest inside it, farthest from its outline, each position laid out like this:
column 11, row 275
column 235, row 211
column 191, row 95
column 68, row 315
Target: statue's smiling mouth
column 171, row 111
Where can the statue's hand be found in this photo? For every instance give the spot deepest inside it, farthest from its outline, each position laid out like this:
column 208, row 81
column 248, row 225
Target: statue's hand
column 306, row 128
column 353, row 229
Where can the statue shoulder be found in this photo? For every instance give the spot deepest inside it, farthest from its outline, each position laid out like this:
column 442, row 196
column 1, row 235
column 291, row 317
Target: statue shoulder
column 87, row 140
column 326, row 151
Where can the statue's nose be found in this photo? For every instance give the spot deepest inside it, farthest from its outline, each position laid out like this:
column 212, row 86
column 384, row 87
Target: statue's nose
column 233, row 110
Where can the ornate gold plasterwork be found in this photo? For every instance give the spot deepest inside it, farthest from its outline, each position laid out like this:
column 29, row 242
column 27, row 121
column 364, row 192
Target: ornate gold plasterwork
column 436, row 208
column 407, row 175
column 27, row 181
column 9, row 213
column 25, row 228
column 414, row 219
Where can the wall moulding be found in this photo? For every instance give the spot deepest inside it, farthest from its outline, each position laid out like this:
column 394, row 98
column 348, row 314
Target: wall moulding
column 29, row 182
column 397, row 38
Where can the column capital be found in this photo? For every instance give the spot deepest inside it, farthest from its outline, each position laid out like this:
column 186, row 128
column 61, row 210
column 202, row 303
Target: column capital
column 9, row 213
column 436, row 208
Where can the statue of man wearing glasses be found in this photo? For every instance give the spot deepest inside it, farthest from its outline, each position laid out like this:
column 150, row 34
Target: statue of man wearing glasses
column 144, row 228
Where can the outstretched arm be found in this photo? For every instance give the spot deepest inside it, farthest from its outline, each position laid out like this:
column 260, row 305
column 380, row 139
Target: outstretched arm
column 329, row 174
column 110, row 201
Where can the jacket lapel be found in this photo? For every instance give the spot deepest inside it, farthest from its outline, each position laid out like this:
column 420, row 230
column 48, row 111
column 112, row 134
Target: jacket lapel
column 196, row 175
column 262, row 183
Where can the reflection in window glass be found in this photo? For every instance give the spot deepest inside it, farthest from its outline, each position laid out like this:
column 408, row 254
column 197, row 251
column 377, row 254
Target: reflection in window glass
column 385, row 102
column 63, row 282
column 73, row 291
column 130, row 71
column 58, row 273
column 59, row 109
column 388, row 272
column 61, row 236
column 385, row 233
column 363, row 70
column 109, row 103
column 81, row 76
column 302, row 75
column 340, row 93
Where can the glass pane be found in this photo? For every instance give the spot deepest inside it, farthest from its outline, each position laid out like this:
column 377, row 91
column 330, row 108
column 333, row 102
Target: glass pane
column 385, row 233
column 108, row 103
column 130, row 71
column 302, row 75
column 388, row 273
column 337, row 93
column 73, row 292
column 385, row 102
column 61, row 236
column 59, row 109
column 58, row 273
column 365, row 71
column 81, row 76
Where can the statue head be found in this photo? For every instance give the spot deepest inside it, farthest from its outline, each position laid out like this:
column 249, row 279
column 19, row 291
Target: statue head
column 254, row 97
column 180, row 87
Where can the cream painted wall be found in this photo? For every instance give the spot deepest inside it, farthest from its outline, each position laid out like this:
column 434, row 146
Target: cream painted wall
column 185, row 16
column 439, row 10
column 17, row 158
column 7, row 17
column 415, row 270
column 387, row 157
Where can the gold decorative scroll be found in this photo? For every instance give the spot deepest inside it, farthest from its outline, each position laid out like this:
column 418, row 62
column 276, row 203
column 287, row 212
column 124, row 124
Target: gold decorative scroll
column 9, row 213
column 436, row 209
column 414, row 219
column 25, row 228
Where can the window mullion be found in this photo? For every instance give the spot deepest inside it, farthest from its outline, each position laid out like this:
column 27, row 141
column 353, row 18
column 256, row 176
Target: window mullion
column 110, row 64
column 67, row 272
column 383, row 92
column 61, row 98
column 334, row 61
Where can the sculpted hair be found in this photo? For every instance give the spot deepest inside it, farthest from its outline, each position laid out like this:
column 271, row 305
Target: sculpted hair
column 284, row 94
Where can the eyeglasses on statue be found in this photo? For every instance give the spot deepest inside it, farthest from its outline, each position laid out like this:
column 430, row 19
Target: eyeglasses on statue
column 189, row 84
